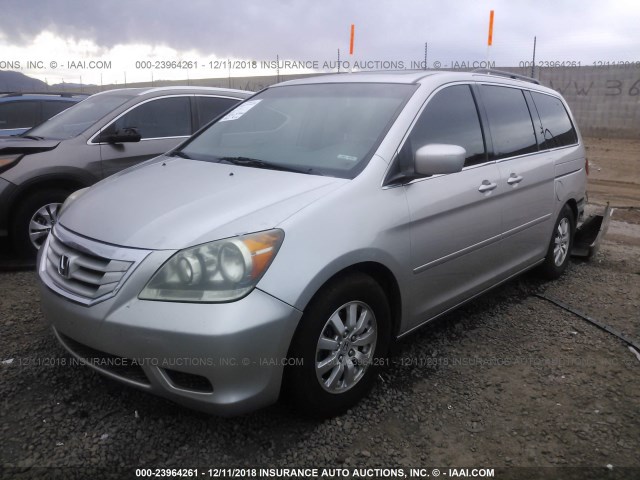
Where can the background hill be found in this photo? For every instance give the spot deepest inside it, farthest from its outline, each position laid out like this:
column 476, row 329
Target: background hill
column 18, row 82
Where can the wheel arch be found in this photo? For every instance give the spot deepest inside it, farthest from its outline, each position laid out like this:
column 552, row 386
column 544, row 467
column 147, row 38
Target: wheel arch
column 380, row 274
column 573, row 205
column 67, row 182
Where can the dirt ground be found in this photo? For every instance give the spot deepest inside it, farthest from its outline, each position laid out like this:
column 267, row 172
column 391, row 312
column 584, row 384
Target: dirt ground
column 509, row 380
column 614, row 173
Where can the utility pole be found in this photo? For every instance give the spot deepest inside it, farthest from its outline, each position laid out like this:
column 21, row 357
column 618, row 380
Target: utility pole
column 426, row 46
column 533, row 62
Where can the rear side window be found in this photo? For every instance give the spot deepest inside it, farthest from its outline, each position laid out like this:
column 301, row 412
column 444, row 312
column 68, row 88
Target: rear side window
column 165, row 117
column 19, row 114
column 510, row 121
column 450, row 117
column 210, row 107
column 557, row 129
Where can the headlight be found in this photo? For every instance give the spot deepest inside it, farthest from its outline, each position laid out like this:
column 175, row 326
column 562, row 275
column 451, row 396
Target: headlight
column 220, row 271
column 72, row 198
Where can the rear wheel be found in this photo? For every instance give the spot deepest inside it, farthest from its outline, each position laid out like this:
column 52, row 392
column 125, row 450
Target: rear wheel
column 34, row 218
column 342, row 341
column 557, row 259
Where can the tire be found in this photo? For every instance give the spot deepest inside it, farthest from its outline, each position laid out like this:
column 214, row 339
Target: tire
column 337, row 370
column 42, row 207
column 557, row 259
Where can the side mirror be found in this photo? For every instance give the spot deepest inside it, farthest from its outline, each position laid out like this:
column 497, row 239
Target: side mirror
column 125, row 135
column 438, row 158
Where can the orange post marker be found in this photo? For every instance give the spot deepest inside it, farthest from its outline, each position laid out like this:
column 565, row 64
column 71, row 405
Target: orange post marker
column 490, row 39
column 353, row 33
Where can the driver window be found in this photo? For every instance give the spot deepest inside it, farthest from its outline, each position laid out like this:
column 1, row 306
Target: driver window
column 165, row 117
column 450, row 117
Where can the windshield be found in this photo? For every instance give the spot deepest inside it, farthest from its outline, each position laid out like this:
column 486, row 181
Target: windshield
column 325, row 129
column 76, row 119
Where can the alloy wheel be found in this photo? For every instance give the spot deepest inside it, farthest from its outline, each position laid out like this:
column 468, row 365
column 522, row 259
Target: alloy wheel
column 561, row 241
column 346, row 346
column 42, row 222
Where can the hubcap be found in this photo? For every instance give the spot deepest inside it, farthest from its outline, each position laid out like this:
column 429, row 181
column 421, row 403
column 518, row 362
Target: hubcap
column 346, row 346
column 561, row 242
column 42, row 222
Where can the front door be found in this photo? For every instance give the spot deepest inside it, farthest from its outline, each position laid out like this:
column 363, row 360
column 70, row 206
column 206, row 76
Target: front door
column 162, row 122
column 455, row 218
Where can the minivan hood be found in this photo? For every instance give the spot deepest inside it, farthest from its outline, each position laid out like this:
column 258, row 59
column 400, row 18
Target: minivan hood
column 14, row 145
column 174, row 203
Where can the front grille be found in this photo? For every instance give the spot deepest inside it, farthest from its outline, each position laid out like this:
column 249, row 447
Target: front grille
column 119, row 366
column 81, row 273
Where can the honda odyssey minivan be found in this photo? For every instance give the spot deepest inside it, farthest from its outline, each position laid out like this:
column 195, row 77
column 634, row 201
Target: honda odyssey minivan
column 280, row 250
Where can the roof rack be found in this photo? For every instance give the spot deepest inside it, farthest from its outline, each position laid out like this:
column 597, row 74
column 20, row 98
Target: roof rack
column 62, row 94
column 502, row 73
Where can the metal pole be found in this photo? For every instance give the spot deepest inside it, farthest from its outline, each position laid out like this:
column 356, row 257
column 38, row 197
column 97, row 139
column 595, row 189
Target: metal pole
column 533, row 62
column 425, row 55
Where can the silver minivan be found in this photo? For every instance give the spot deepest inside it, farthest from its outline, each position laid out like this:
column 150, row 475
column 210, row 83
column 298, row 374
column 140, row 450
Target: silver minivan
column 280, row 251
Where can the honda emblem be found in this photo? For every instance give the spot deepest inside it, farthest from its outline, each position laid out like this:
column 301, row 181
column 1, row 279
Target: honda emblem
column 64, row 266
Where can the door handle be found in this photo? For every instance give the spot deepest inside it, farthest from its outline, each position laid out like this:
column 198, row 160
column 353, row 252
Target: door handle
column 514, row 179
column 487, row 186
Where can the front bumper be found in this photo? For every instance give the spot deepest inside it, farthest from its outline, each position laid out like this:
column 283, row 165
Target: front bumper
column 224, row 358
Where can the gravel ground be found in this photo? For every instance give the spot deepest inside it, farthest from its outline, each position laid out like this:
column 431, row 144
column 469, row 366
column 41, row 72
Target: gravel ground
column 508, row 380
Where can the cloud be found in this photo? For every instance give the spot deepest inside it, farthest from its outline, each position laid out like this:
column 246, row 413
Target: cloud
column 316, row 29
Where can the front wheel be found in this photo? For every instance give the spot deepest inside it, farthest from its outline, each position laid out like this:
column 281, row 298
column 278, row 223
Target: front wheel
column 557, row 259
column 34, row 218
column 342, row 341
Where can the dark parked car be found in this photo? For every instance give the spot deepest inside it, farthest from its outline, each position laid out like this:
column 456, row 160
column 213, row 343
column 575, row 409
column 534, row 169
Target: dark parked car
column 21, row 111
column 99, row 136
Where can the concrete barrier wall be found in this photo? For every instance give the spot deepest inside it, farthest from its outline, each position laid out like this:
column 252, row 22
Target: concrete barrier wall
column 605, row 101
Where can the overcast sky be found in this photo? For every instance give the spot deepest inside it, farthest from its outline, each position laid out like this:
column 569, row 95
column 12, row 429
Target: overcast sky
column 311, row 30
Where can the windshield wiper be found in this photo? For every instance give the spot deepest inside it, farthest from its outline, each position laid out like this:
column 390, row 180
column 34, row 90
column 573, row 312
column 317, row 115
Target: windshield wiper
column 31, row 137
column 179, row 153
column 256, row 163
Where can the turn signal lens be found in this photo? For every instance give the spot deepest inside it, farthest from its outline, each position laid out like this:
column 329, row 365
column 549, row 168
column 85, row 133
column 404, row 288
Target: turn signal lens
column 7, row 161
